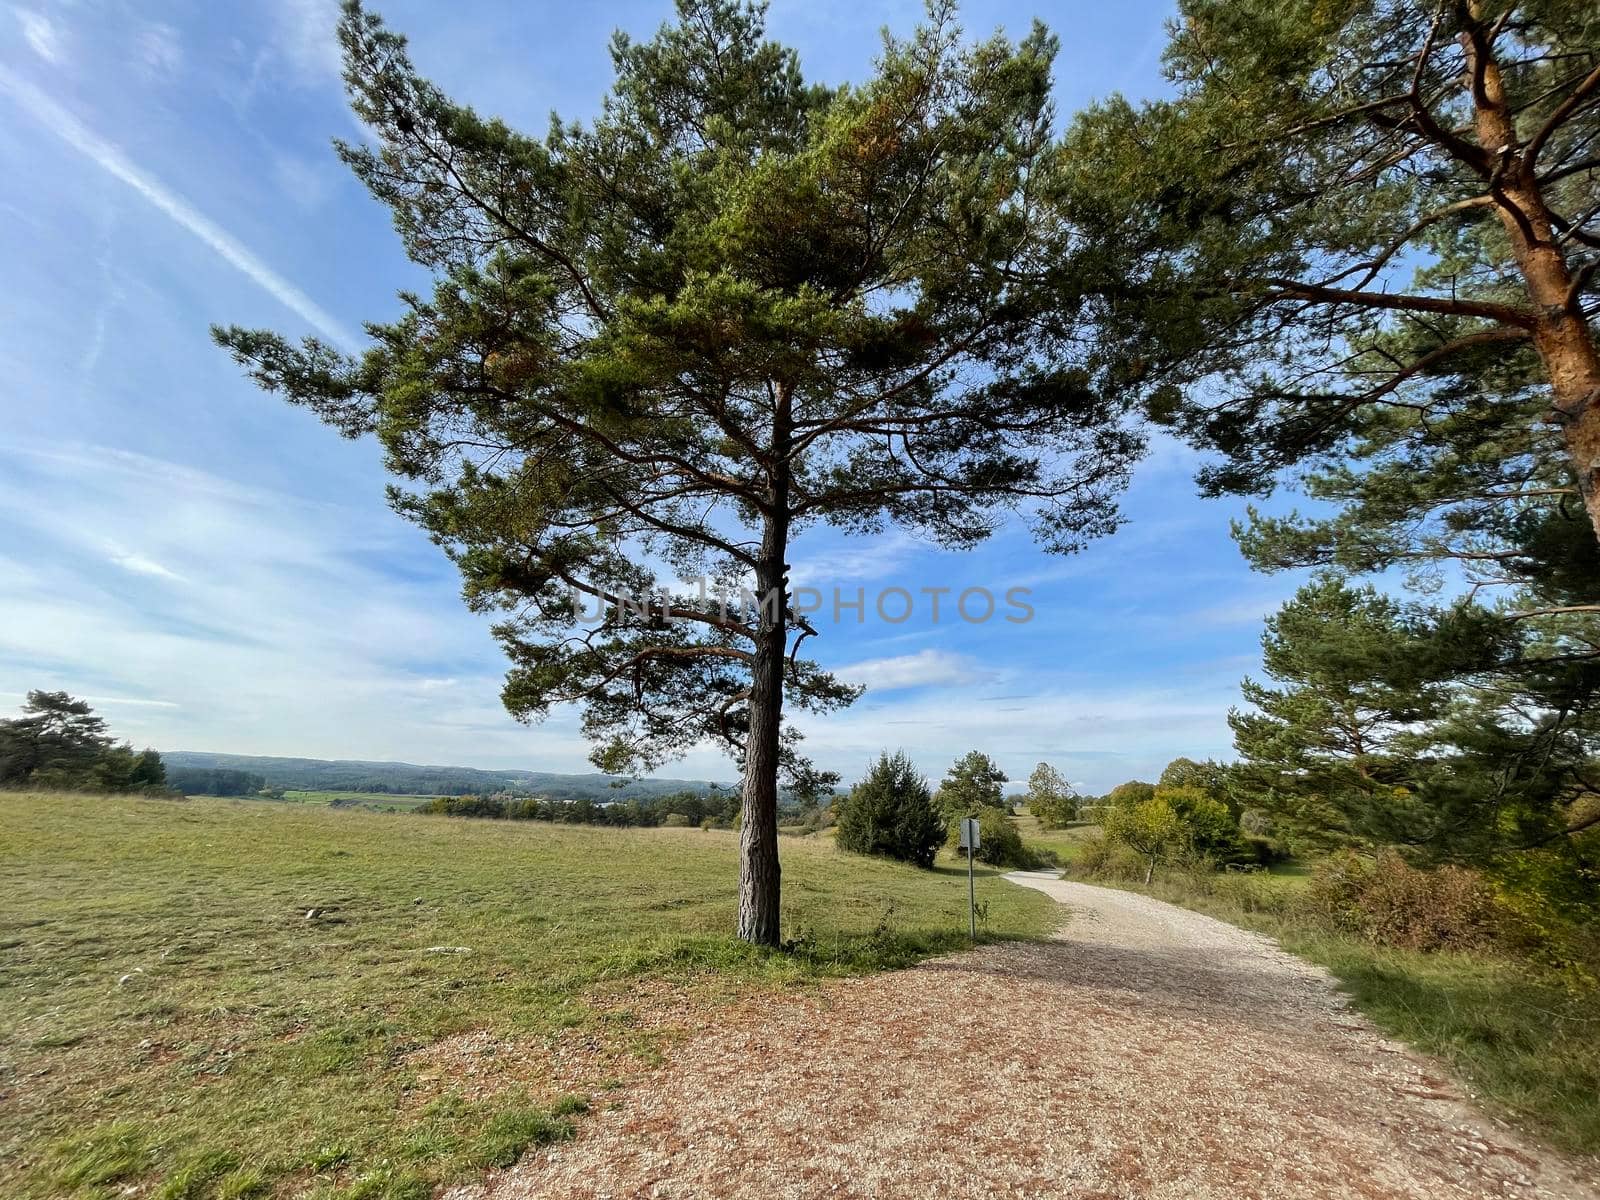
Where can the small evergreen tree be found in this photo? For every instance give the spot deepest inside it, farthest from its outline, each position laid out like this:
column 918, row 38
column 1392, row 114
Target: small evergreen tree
column 891, row 812
column 1334, row 753
column 974, row 783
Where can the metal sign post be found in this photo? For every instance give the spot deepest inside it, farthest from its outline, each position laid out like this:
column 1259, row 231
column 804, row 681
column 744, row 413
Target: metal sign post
column 969, row 843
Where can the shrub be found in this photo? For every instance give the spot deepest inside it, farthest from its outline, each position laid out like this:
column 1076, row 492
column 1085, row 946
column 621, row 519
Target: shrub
column 1209, row 827
column 1100, row 858
column 1248, row 892
column 999, row 843
column 891, row 813
column 1391, row 903
column 465, row 806
column 1264, row 851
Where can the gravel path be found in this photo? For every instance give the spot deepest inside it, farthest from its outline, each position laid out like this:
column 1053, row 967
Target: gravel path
column 1145, row 1051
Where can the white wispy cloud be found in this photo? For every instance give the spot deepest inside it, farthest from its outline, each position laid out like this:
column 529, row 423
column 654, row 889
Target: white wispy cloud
column 838, row 563
column 306, row 37
column 922, row 669
column 157, row 52
column 42, row 35
column 1099, row 736
column 138, row 564
column 108, row 158
column 287, row 635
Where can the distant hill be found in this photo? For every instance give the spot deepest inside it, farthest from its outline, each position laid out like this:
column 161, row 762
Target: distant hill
column 394, row 778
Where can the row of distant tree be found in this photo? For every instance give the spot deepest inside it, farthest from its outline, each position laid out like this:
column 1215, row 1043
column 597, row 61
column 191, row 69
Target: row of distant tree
column 409, row 779
column 1195, row 811
column 59, row 742
column 215, row 781
column 677, row 808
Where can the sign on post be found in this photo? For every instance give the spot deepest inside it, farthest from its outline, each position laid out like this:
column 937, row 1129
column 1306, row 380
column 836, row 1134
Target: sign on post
column 969, row 833
column 970, row 842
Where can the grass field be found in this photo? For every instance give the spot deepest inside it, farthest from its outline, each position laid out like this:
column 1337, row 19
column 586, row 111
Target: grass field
column 171, row 1019
column 1065, row 843
column 377, row 801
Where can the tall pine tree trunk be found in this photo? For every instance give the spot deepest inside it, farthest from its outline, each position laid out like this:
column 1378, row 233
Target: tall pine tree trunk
column 758, row 834
column 1561, row 335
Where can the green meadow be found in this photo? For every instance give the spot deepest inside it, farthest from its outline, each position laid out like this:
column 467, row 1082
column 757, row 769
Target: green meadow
column 173, row 1021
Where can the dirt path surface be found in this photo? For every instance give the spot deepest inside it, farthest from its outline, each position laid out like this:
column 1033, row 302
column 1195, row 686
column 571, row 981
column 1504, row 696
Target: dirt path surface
column 1145, row 1051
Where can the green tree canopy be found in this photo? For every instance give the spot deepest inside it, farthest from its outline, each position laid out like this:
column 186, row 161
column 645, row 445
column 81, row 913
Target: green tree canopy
column 973, row 783
column 59, row 742
column 732, row 307
column 1330, row 753
column 1150, row 828
column 1210, row 777
column 1050, row 798
column 1365, row 742
column 891, row 812
column 1346, row 214
column 56, row 741
column 1126, row 795
column 1209, row 826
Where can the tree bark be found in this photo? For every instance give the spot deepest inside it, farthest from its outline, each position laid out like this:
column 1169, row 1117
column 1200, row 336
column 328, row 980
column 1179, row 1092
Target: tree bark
column 1149, row 871
column 1561, row 336
column 758, row 832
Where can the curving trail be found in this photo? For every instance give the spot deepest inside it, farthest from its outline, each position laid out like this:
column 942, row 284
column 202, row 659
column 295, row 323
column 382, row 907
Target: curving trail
column 1144, row 1051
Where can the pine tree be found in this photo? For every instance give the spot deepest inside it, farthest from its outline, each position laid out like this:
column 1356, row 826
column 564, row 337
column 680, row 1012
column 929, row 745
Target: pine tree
column 55, row 743
column 1345, row 208
column 734, row 306
column 973, row 783
column 1339, row 753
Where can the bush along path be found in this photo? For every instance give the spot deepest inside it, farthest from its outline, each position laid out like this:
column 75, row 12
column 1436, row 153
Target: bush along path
column 1142, row 1051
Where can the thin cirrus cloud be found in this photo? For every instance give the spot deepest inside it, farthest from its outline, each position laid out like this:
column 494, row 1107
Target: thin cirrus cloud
column 43, row 38
column 63, row 125
column 138, row 564
column 922, row 669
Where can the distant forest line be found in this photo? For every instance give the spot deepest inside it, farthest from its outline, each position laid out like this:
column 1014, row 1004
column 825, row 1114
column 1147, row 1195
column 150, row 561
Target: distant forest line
column 203, row 773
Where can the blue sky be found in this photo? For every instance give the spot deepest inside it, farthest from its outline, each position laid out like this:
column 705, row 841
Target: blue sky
column 219, row 572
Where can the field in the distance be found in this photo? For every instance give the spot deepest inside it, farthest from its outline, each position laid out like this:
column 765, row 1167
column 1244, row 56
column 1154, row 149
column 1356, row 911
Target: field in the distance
column 170, row 1018
column 377, row 801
